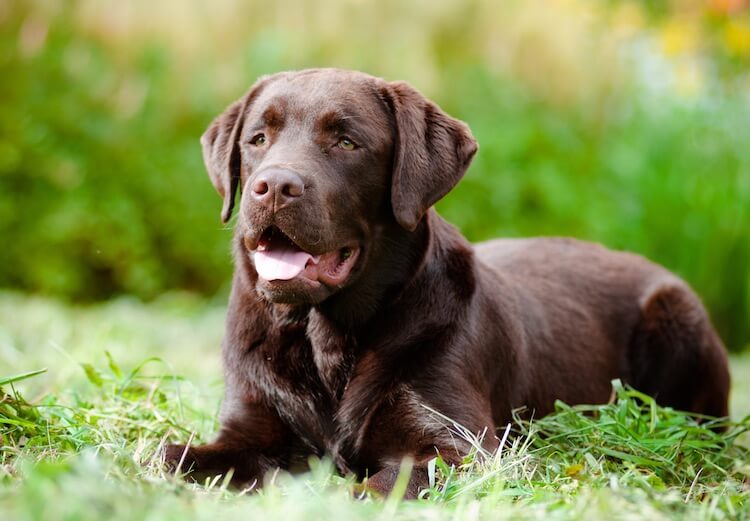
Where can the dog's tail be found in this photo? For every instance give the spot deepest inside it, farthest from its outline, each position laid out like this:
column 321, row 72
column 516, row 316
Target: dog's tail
column 675, row 354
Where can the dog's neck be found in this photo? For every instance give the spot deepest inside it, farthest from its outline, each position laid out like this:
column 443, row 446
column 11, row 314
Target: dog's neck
column 433, row 260
column 343, row 324
column 396, row 265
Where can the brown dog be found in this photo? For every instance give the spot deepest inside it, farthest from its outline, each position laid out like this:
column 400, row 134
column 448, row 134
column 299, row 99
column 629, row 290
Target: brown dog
column 354, row 304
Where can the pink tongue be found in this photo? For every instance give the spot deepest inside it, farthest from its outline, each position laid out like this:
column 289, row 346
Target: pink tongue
column 280, row 263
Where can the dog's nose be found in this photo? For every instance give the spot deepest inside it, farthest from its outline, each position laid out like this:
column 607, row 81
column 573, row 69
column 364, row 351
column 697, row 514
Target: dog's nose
column 277, row 187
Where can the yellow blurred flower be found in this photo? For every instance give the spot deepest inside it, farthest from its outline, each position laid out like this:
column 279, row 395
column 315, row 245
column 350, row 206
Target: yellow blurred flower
column 679, row 36
column 736, row 37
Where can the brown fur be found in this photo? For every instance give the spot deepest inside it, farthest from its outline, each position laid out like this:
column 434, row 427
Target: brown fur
column 425, row 318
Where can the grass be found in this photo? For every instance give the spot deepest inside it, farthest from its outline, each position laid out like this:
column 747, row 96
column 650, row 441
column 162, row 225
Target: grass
column 80, row 440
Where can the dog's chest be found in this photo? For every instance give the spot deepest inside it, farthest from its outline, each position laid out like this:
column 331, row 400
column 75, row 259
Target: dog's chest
column 304, row 380
column 333, row 354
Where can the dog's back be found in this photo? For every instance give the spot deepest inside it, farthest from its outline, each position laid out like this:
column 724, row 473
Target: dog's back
column 592, row 314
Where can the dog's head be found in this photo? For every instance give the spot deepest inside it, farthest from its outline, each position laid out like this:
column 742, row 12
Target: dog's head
column 325, row 159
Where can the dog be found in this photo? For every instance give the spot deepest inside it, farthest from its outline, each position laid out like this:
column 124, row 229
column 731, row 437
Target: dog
column 356, row 310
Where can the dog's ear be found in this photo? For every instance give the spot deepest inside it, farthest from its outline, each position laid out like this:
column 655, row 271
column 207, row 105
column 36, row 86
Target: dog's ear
column 221, row 151
column 432, row 153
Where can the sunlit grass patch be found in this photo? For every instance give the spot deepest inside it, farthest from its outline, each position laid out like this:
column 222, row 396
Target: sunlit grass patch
column 96, row 451
column 82, row 440
column 630, row 445
column 123, row 415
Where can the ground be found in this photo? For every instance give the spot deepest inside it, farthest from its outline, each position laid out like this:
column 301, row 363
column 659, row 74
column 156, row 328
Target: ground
column 81, row 439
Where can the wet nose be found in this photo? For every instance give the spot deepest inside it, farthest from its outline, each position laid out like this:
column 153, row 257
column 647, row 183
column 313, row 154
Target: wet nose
column 277, row 187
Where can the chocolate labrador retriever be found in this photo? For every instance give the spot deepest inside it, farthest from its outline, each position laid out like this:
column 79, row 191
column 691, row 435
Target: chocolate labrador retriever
column 354, row 305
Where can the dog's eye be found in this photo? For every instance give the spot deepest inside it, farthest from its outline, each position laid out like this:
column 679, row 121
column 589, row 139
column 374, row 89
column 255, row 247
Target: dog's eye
column 346, row 144
column 258, row 140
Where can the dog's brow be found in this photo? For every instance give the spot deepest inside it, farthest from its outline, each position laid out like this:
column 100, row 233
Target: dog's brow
column 335, row 121
column 273, row 118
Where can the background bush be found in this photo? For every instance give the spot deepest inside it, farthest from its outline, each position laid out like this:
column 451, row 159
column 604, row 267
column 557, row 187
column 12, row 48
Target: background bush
column 624, row 123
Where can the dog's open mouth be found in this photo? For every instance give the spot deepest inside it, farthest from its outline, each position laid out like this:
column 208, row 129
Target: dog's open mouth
column 278, row 258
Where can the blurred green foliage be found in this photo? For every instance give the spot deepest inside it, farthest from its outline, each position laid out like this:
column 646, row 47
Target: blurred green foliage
column 588, row 124
column 96, row 197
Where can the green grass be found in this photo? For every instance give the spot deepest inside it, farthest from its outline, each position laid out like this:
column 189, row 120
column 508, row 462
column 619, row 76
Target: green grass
column 81, row 439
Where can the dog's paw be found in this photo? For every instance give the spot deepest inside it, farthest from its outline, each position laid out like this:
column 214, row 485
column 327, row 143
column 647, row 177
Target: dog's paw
column 381, row 483
column 177, row 458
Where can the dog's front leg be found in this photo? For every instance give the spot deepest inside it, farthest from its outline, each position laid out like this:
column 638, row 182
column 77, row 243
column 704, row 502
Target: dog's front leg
column 251, row 443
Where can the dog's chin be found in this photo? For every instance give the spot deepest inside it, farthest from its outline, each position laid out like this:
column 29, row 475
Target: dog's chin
column 295, row 292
